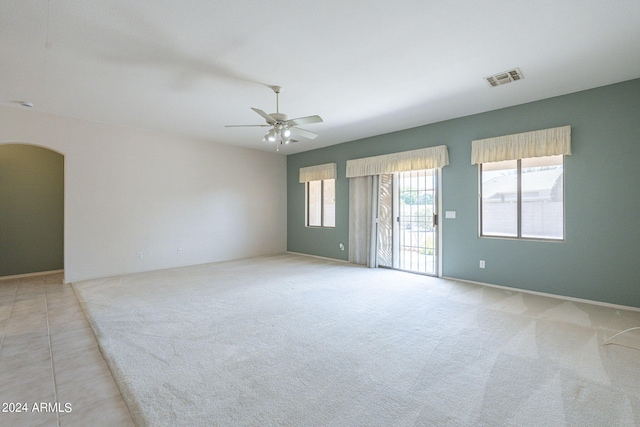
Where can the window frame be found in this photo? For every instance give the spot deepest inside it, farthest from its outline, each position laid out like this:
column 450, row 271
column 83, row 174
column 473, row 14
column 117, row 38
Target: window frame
column 323, row 215
column 518, row 235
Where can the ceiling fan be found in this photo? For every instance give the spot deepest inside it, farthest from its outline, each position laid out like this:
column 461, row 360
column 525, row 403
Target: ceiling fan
column 283, row 128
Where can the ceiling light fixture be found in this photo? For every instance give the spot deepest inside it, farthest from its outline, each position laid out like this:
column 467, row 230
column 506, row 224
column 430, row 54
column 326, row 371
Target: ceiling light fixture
column 278, row 132
column 271, row 135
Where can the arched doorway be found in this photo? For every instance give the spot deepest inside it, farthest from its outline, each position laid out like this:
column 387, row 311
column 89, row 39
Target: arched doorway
column 31, row 210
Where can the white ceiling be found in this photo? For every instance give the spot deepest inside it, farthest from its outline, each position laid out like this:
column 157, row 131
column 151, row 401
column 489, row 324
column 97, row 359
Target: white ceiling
column 367, row 67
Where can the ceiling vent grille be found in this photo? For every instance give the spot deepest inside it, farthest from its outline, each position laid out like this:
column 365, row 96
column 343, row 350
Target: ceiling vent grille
column 505, row 77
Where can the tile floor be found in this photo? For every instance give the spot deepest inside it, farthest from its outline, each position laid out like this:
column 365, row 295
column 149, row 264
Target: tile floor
column 49, row 355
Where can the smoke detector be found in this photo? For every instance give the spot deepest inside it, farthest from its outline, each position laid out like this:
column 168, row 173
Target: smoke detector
column 505, row 77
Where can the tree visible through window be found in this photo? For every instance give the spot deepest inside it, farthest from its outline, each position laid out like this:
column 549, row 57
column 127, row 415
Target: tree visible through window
column 321, row 203
column 523, row 198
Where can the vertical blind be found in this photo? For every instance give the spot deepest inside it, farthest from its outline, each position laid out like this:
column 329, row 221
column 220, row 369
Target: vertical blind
column 363, row 205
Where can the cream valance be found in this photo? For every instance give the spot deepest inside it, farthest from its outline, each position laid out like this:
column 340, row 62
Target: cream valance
column 423, row 158
column 539, row 143
column 318, row 172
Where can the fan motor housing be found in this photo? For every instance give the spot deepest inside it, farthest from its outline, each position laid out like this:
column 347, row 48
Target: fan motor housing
column 279, row 117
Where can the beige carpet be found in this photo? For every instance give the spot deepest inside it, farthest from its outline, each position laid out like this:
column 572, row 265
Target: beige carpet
column 297, row 341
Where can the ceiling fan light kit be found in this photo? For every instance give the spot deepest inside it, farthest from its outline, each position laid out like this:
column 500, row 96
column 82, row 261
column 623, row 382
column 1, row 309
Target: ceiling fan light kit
column 282, row 128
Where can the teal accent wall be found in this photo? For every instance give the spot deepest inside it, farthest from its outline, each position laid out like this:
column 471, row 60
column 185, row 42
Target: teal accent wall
column 599, row 259
column 31, row 209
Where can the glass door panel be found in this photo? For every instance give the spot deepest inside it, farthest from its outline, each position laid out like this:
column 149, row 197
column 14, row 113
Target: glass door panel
column 417, row 237
column 407, row 236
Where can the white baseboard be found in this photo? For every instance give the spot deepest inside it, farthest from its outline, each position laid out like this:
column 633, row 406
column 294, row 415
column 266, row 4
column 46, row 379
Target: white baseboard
column 507, row 288
column 545, row 294
column 22, row 276
column 317, row 256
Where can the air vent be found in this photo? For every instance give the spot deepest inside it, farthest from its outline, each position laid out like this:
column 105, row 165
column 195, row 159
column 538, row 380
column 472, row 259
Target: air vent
column 505, row 77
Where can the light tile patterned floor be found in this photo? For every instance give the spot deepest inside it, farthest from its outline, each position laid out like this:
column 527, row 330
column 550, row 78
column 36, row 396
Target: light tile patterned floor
column 49, row 355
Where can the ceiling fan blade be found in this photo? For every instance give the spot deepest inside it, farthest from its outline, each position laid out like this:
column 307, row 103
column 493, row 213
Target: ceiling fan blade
column 245, row 126
column 267, row 117
column 303, row 133
column 304, row 120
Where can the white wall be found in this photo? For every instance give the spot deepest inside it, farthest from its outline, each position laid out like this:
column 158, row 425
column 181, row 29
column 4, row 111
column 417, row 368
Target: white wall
column 130, row 190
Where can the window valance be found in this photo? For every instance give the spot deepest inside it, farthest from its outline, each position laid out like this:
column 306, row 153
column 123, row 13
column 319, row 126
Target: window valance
column 539, row 143
column 318, row 172
column 423, row 158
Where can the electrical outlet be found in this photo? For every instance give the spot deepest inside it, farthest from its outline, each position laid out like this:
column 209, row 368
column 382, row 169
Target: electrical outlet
column 481, row 263
column 341, row 246
column 139, row 254
column 179, row 250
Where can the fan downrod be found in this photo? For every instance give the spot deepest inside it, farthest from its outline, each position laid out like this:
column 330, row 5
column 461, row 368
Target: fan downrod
column 277, row 89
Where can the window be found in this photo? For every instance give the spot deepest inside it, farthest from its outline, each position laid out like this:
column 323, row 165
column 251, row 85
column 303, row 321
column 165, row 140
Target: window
column 321, row 203
column 320, row 194
column 522, row 183
column 523, row 198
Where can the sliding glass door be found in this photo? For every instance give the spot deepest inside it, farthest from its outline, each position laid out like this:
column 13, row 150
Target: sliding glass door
column 407, row 221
